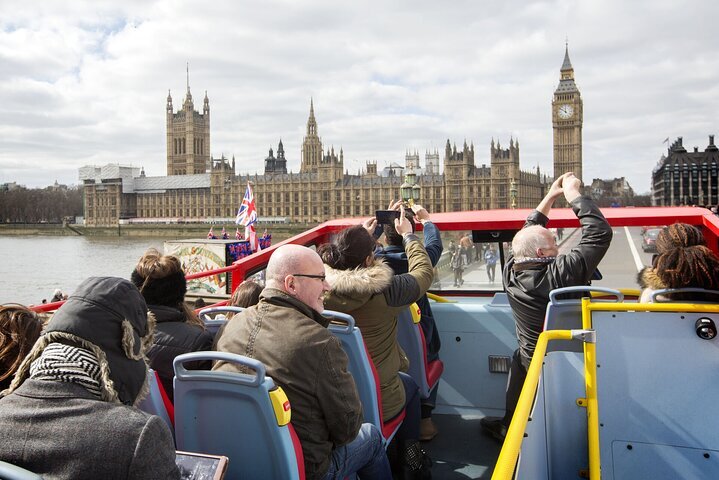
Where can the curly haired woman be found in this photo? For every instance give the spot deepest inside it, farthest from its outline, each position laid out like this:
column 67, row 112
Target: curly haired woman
column 682, row 261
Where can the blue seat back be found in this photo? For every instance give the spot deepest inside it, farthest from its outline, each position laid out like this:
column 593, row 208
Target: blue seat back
column 9, row 471
column 215, row 317
column 556, row 442
column 230, row 414
column 566, row 314
column 412, row 343
column 153, row 403
column 344, row 328
column 656, row 385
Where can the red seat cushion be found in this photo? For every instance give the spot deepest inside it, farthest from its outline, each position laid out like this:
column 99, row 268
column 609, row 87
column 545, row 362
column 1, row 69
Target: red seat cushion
column 169, row 407
column 434, row 371
column 390, row 426
column 298, row 451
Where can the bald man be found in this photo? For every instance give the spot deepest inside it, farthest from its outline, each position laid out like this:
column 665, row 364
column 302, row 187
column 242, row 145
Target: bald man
column 535, row 268
column 288, row 334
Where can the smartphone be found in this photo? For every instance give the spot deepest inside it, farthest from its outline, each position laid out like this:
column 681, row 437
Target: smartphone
column 386, row 217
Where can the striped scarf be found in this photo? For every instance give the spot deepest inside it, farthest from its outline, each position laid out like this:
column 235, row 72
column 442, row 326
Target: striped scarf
column 64, row 363
column 534, row 260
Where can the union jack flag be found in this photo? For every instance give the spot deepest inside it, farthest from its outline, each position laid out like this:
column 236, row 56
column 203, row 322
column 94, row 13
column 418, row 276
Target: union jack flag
column 247, row 216
column 247, row 213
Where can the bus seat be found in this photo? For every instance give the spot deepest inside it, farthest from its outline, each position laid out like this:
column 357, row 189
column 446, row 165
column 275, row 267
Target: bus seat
column 364, row 372
column 157, row 402
column 566, row 314
column 215, row 317
column 8, row 471
column 411, row 338
column 244, row 417
column 556, row 443
column 655, row 389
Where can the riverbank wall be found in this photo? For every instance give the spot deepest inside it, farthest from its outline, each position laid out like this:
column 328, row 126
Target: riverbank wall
column 279, row 232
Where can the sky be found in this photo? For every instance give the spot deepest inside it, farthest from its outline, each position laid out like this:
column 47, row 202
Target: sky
column 85, row 82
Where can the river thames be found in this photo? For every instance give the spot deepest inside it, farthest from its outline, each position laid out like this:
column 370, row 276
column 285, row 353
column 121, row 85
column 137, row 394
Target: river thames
column 32, row 267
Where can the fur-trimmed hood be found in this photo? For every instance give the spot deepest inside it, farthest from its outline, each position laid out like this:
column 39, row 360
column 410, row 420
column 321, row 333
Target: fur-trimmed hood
column 648, row 278
column 358, row 284
column 108, row 317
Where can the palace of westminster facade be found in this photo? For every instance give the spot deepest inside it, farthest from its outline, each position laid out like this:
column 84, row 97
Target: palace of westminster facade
column 199, row 188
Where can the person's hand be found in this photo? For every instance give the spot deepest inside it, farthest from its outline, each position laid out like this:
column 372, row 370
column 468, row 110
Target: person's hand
column 370, row 224
column 394, row 204
column 402, row 224
column 420, row 212
column 571, row 186
column 557, row 187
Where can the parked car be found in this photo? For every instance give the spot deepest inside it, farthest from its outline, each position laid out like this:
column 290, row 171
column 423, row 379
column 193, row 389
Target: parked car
column 649, row 240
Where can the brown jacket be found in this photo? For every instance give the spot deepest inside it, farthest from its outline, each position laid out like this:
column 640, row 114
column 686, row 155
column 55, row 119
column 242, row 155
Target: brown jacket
column 308, row 362
column 374, row 296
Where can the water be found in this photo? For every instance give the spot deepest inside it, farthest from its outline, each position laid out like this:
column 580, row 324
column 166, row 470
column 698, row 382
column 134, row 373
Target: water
column 32, row 267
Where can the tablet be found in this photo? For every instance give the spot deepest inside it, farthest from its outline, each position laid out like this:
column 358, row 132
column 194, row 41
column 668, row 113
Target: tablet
column 198, row 466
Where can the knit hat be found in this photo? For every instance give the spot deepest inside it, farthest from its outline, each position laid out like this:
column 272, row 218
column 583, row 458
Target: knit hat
column 169, row 291
column 109, row 317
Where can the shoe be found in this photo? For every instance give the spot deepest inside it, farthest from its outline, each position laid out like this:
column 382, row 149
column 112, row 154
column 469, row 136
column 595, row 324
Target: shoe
column 427, row 430
column 494, row 427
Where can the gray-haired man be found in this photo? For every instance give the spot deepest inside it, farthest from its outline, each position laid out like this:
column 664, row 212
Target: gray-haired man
column 535, row 268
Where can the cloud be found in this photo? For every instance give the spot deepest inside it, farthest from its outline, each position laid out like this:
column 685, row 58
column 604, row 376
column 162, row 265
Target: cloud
column 86, row 83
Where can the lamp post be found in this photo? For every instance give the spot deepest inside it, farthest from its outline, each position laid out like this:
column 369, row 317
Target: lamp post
column 410, row 190
column 513, row 193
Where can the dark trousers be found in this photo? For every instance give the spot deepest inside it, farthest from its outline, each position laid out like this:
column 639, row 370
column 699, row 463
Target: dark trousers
column 409, row 430
column 515, row 382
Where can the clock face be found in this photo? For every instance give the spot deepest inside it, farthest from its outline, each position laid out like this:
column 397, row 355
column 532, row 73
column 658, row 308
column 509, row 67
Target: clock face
column 566, row 111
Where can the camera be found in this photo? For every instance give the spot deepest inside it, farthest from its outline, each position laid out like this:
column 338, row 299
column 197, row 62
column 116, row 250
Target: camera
column 386, row 217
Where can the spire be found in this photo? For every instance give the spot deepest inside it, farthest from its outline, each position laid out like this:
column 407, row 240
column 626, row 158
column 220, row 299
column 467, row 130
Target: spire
column 567, row 64
column 311, row 122
column 188, row 97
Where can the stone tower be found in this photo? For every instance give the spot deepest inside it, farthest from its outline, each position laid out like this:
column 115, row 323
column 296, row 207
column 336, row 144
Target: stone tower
column 311, row 145
column 188, row 136
column 411, row 161
column 567, row 119
column 431, row 161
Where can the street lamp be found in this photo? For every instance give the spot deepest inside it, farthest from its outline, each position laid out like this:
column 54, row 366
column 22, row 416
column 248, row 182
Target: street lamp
column 410, row 191
column 513, row 192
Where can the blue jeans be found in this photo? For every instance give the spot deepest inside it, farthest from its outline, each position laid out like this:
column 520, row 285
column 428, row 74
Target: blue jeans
column 365, row 455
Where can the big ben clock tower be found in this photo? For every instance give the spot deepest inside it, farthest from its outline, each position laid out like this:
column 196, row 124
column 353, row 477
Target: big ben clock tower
column 567, row 118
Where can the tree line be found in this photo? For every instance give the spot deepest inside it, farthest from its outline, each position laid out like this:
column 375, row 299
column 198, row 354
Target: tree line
column 40, row 205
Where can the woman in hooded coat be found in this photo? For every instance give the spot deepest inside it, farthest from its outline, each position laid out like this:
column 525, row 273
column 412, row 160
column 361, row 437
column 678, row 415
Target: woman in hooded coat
column 368, row 289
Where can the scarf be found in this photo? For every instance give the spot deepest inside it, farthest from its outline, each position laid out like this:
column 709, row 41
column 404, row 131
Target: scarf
column 534, row 260
column 64, row 363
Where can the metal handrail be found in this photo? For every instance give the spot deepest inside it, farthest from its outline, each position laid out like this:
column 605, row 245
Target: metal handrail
column 504, row 469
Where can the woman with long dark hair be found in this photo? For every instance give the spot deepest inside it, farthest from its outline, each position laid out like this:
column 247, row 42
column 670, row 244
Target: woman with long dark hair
column 19, row 329
column 368, row 289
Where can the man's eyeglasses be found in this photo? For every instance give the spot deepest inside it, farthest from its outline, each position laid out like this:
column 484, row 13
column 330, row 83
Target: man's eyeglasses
column 320, row 277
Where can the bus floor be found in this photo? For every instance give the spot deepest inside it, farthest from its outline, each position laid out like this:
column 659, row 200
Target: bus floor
column 461, row 450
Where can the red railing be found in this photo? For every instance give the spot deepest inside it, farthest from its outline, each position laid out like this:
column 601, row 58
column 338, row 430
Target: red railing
column 486, row 220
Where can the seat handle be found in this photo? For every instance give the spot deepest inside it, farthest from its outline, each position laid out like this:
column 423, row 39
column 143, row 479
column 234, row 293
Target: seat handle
column 581, row 289
column 670, row 291
column 184, row 374
column 207, row 311
column 347, row 321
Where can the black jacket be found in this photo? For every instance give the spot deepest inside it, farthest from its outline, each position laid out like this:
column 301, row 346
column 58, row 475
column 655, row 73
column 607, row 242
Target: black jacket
column 528, row 284
column 173, row 337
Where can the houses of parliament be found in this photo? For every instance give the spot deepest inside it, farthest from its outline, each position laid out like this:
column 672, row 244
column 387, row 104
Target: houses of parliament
column 199, row 188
